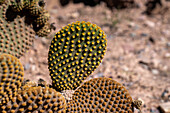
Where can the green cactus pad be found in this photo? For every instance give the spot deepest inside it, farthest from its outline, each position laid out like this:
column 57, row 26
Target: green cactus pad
column 43, row 30
column 2, row 1
column 75, row 52
column 17, row 6
column 35, row 8
column 36, row 99
column 101, row 95
column 11, row 77
column 15, row 36
column 42, row 18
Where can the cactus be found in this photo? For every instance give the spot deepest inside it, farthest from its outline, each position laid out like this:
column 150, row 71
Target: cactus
column 17, row 5
column 2, row 1
column 43, row 30
column 16, row 26
column 101, row 95
column 15, row 36
column 42, row 18
column 11, row 77
column 36, row 8
column 36, row 99
column 75, row 52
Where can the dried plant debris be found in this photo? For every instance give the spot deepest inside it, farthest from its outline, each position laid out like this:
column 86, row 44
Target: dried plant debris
column 11, row 77
column 75, row 52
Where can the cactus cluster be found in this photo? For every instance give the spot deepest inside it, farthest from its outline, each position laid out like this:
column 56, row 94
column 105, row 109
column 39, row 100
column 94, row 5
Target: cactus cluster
column 20, row 20
column 33, row 9
column 17, row 97
column 15, row 36
column 75, row 52
column 11, row 77
column 101, row 95
column 36, row 98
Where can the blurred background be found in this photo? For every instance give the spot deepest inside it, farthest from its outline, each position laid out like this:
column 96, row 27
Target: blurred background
column 138, row 51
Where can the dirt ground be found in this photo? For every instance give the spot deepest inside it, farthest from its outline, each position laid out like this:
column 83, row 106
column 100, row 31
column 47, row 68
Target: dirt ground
column 138, row 51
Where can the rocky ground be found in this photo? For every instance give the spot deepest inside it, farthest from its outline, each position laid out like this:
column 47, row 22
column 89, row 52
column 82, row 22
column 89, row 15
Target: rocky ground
column 138, row 52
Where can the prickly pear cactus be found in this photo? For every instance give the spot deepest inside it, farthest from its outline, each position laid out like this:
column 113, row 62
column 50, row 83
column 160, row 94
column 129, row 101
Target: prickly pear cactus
column 36, row 99
column 75, row 52
column 11, row 77
column 17, row 5
column 43, row 30
column 42, row 18
column 101, row 95
column 36, row 7
column 20, row 20
column 15, row 36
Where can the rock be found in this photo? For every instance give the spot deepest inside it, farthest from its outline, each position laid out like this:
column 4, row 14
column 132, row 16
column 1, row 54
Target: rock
column 164, row 107
column 131, row 24
column 167, row 55
column 33, row 68
column 132, row 34
column 154, row 110
column 150, row 23
column 168, row 44
column 155, row 71
column 144, row 34
column 26, row 66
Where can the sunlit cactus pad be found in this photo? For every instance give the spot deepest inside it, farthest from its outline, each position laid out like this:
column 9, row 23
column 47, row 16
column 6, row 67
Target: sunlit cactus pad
column 15, row 36
column 36, row 99
column 75, row 52
column 101, row 95
column 11, row 76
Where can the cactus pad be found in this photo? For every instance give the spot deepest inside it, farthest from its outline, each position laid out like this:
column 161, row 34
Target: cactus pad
column 42, row 18
column 11, row 76
column 43, row 30
column 17, row 5
column 75, row 52
column 15, row 36
column 35, row 7
column 101, row 95
column 36, row 99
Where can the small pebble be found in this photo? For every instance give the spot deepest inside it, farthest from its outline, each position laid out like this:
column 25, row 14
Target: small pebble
column 26, row 66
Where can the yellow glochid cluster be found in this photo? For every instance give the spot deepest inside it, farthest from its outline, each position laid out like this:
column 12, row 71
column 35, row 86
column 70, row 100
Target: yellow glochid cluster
column 101, row 95
column 11, row 77
column 75, row 52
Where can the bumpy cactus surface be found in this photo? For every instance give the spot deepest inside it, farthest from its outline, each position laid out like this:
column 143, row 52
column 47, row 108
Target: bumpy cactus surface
column 75, row 52
column 36, row 7
column 42, row 18
column 15, row 36
column 11, row 77
column 18, row 27
column 17, row 5
column 43, row 30
column 36, row 99
column 101, row 95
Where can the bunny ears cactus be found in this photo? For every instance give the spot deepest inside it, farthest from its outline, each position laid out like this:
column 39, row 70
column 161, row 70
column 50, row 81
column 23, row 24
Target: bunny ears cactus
column 75, row 52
